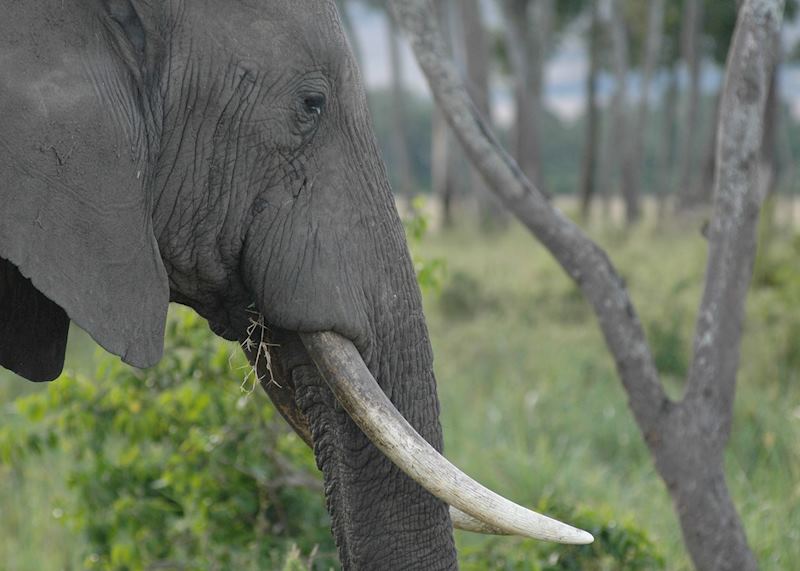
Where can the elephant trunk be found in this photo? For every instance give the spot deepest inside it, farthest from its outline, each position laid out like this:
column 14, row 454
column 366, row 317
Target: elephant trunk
column 382, row 519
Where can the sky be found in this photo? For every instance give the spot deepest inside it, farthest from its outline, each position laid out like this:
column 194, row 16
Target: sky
column 565, row 75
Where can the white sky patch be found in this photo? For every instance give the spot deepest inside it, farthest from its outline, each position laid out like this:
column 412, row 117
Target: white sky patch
column 565, row 75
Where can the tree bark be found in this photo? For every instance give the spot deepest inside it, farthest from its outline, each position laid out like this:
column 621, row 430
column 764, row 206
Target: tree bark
column 632, row 183
column 589, row 167
column 402, row 161
column 770, row 167
column 665, row 184
column 442, row 179
column 691, row 32
column 686, row 438
column 522, row 51
column 705, row 186
column 542, row 22
column 476, row 50
column 621, row 146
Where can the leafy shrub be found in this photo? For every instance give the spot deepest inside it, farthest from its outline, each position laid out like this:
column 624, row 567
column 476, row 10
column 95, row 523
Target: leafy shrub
column 430, row 272
column 668, row 335
column 176, row 467
column 777, row 270
column 669, row 346
column 617, row 546
column 462, row 297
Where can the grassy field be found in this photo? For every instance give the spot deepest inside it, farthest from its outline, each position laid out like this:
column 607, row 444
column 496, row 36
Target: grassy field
column 531, row 405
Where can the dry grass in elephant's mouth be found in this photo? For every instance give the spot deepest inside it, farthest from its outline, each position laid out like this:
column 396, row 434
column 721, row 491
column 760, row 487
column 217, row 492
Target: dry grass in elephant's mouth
column 257, row 330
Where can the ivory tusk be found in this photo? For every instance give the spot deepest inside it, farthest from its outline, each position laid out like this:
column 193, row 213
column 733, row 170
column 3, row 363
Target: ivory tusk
column 466, row 522
column 356, row 389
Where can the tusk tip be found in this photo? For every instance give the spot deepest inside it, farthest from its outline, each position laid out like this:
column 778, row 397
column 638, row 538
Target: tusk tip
column 566, row 535
column 581, row 538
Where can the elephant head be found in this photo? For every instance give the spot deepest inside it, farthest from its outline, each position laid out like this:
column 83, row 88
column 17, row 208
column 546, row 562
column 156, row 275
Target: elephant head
column 219, row 154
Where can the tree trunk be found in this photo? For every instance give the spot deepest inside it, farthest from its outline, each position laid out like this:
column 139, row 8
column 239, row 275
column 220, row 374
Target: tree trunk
column 690, row 461
column 632, row 183
column 588, row 170
column 440, row 167
column 542, row 20
column 705, row 187
column 666, row 178
column 691, row 32
column 400, row 156
column 619, row 146
column 687, row 438
column 476, row 50
column 770, row 165
column 442, row 179
column 522, row 54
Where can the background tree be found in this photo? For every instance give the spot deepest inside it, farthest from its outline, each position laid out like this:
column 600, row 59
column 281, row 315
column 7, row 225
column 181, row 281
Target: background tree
column 691, row 36
column 632, row 179
column 442, row 158
column 620, row 143
column 686, row 437
column 592, row 115
column 476, row 51
column 526, row 44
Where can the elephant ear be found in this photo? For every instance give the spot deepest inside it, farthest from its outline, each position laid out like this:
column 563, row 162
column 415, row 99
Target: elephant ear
column 33, row 329
column 75, row 217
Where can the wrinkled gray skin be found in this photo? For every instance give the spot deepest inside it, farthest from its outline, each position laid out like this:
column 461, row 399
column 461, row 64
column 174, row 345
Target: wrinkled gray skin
column 219, row 154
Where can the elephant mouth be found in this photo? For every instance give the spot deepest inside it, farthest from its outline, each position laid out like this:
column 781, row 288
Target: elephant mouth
column 339, row 363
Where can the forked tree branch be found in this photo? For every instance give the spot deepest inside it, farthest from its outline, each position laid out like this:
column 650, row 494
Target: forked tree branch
column 686, row 438
column 737, row 204
column 581, row 258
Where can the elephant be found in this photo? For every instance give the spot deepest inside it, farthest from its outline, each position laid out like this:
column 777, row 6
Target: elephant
column 219, row 154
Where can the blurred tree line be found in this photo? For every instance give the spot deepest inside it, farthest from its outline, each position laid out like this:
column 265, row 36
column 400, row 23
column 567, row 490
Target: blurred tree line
column 648, row 126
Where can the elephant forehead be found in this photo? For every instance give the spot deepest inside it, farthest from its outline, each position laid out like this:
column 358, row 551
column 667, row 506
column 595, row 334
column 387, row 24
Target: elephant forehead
column 276, row 32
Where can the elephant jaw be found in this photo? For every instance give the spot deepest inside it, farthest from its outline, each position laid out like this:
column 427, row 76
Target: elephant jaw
column 472, row 506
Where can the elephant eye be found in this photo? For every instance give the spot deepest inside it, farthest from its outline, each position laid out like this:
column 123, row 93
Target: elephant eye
column 314, row 103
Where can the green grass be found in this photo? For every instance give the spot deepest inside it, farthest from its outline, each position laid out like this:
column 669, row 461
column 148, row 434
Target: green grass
column 531, row 404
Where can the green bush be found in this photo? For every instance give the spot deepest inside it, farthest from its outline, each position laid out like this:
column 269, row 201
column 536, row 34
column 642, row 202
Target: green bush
column 430, row 272
column 462, row 297
column 176, row 467
column 617, row 546
column 777, row 273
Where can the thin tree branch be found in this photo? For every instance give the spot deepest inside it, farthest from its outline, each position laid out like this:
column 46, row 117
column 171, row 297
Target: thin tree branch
column 581, row 258
column 737, row 203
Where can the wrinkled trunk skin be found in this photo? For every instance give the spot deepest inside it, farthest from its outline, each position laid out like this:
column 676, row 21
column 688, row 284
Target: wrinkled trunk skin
column 381, row 519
